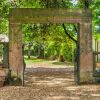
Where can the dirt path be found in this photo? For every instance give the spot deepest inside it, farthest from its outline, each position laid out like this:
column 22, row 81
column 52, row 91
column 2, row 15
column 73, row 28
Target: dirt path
column 48, row 64
column 48, row 85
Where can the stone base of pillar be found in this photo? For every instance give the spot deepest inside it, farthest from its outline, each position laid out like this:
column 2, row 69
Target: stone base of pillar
column 15, row 78
column 86, row 77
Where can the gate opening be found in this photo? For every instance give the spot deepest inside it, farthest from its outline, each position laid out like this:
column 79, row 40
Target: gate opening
column 49, row 54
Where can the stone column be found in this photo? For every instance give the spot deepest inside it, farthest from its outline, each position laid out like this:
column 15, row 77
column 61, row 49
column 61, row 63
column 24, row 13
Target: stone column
column 15, row 52
column 86, row 55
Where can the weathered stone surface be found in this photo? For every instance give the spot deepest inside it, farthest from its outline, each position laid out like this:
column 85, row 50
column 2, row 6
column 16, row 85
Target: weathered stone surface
column 35, row 12
column 29, row 15
column 15, row 50
column 86, row 55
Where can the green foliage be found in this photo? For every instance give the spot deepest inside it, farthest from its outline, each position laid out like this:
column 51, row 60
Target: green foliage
column 1, row 50
column 33, row 60
column 3, row 26
column 4, row 10
column 56, row 3
column 52, row 48
column 95, row 8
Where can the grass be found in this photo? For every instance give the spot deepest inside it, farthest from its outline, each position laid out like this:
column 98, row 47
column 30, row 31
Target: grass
column 63, row 63
column 33, row 59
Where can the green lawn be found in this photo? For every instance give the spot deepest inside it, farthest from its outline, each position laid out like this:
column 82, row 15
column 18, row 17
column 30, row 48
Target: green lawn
column 33, row 59
column 63, row 63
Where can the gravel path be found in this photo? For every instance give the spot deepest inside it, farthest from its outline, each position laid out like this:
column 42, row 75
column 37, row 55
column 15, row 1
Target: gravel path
column 48, row 85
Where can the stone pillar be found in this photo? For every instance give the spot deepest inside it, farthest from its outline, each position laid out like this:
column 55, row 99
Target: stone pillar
column 86, row 55
column 15, row 52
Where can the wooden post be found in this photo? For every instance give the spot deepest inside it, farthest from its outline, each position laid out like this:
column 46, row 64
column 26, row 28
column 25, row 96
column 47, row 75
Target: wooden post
column 15, row 52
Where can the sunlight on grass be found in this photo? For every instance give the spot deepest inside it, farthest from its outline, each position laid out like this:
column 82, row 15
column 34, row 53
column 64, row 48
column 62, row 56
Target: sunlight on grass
column 63, row 63
column 54, row 62
column 33, row 60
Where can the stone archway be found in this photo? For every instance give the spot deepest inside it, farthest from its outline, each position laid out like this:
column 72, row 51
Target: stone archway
column 18, row 16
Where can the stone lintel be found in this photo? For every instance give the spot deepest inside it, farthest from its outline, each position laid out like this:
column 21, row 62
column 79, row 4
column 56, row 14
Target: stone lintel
column 50, row 15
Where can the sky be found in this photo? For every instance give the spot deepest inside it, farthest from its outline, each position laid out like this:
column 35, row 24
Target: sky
column 75, row 1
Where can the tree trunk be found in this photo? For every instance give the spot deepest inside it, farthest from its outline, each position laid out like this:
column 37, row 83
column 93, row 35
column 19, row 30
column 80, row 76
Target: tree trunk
column 60, row 58
column 29, row 52
column 52, row 57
